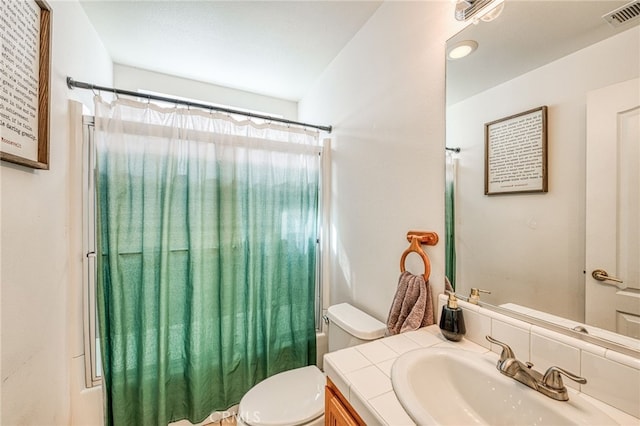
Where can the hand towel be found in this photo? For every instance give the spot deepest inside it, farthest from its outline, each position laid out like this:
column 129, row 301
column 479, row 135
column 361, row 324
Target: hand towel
column 447, row 285
column 412, row 307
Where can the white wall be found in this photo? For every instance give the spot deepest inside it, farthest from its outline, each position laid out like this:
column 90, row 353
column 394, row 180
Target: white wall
column 41, row 267
column 130, row 78
column 384, row 95
column 529, row 249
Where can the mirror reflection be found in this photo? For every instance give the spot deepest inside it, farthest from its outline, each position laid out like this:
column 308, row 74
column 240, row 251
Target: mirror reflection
column 535, row 252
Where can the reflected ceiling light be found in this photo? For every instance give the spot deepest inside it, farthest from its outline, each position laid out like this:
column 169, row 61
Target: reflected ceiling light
column 461, row 49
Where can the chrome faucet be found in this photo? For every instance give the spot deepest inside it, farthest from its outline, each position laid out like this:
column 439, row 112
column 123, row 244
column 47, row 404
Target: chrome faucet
column 549, row 383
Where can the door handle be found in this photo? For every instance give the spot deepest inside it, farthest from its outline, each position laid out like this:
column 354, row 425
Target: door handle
column 602, row 275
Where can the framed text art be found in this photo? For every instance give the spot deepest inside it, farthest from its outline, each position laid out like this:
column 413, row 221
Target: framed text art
column 25, row 32
column 516, row 153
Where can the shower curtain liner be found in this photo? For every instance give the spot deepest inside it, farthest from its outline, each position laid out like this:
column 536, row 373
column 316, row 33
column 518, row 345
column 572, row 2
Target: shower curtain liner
column 207, row 231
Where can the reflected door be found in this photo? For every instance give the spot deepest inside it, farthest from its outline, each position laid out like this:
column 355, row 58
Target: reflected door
column 612, row 287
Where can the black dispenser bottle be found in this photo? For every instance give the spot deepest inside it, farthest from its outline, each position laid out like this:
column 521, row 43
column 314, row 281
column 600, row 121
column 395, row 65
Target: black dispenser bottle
column 451, row 320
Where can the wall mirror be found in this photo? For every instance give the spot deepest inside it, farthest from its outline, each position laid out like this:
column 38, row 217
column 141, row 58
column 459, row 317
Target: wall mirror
column 530, row 250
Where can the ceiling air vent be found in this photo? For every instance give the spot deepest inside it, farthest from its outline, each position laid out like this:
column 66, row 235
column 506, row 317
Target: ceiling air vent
column 467, row 9
column 624, row 14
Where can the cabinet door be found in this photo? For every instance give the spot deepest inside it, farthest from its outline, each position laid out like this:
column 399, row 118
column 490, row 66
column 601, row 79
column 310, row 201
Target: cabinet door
column 335, row 413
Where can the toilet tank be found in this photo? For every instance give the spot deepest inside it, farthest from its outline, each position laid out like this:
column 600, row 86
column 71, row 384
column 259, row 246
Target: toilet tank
column 349, row 326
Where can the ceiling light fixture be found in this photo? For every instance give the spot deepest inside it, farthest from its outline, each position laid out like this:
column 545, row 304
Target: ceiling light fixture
column 461, row 49
column 493, row 11
column 487, row 10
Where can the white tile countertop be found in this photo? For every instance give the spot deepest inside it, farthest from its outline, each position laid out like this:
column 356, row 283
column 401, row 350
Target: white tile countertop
column 363, row 375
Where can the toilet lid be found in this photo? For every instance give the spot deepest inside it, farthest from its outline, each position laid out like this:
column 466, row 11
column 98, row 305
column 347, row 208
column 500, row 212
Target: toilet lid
column 355, row 322
column 289, row 398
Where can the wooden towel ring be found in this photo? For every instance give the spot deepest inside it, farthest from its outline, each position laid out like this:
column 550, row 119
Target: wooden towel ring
column 417, row 237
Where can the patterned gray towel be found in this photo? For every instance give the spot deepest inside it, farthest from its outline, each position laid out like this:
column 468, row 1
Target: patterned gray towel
column 411, row 307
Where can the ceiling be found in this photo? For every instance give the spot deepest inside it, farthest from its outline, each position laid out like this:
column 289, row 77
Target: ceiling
column 274, row 48
column 280, row 48
column 525, row 36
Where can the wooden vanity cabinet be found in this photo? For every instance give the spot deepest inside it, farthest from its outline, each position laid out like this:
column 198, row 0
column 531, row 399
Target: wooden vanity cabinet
column 337, row 410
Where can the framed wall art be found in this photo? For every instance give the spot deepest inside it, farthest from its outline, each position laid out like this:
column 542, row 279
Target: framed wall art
column 516, row 153
column 25, row 29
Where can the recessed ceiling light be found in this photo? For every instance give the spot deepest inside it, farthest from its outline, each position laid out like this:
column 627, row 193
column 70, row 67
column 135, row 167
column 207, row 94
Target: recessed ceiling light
column 461, row 49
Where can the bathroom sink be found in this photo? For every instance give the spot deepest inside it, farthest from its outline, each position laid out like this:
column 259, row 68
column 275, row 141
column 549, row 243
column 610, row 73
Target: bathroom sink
column 442, row 386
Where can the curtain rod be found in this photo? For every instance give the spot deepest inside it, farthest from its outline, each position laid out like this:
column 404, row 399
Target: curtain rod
column 71, row 83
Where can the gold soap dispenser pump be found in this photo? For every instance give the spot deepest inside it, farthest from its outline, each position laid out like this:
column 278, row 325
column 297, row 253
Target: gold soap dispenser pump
column 474, row 296
column 452, row 320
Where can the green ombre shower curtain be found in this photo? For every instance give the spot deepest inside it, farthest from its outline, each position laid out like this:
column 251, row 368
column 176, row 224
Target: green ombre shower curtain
column 207, row 230
column 450, row 228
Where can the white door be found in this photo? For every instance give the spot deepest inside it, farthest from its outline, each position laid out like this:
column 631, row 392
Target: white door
column 613, row 212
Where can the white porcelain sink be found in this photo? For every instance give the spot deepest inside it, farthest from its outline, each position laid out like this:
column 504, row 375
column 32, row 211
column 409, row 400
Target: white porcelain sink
column 442, row 386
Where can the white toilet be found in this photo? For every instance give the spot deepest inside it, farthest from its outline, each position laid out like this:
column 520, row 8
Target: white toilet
column 296, row 397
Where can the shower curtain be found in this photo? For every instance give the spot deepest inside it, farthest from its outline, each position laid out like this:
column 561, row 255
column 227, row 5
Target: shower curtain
column 450, row 229
column 207, row 230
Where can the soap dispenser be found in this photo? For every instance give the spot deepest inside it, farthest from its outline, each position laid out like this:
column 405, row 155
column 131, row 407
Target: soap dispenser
column 474, row 296
column 451, row 320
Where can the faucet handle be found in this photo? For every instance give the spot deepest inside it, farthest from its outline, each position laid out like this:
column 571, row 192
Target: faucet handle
column 507, row 352
column 552, row 378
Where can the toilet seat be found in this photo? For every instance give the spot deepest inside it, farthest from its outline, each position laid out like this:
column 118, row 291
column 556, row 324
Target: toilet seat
column 290, row 398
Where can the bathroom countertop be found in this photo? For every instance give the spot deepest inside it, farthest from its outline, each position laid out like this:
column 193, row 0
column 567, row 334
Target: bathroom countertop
column 363, row 375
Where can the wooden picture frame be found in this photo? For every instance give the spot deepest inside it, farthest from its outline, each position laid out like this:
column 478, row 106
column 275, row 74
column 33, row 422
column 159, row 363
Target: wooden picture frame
column 24, row 82
column 516, row 153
